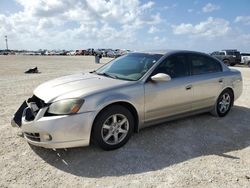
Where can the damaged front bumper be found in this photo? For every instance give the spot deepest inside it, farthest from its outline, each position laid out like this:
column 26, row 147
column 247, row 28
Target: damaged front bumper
column 61, row 131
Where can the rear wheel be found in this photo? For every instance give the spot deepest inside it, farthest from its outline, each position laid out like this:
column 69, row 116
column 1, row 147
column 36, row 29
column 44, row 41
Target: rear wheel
column 224, row 103
column 248, row 64
column 113, row 127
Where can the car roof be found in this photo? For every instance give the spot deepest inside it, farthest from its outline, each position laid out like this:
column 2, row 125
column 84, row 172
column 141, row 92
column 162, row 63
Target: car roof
column 168, row 52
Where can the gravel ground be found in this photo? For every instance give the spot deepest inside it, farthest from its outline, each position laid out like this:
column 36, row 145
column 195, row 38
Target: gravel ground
column 198, row 151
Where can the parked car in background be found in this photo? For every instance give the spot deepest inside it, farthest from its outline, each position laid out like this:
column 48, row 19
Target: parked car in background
column 98, row 51
column 63, row 52
column 245, row 59
column 103, row 52
column 117, row 53
column 229, row 57
column 123, row 52
column 112, row 54
column 71, row 53
column 81, row 52
column 131, row 92
column 90, row 51
column 4, row 53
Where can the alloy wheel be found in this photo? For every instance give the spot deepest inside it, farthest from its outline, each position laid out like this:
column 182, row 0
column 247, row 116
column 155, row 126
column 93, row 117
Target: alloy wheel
column 224, row 103
column 114, row 129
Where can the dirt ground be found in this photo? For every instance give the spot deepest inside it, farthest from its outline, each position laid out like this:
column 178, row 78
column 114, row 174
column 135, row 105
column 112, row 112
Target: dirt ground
column 198, row 151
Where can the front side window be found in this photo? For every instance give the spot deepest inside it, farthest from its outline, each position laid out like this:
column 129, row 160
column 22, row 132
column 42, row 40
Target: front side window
column 175, row 66
column 129, row 67
column 201, row 64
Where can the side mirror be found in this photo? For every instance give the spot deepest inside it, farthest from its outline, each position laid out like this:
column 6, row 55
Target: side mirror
column 161, row 77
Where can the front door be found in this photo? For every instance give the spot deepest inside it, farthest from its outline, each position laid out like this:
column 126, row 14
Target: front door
column 167, row 98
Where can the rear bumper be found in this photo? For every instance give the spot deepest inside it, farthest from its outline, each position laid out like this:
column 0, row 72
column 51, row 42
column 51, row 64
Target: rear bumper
column 237, row 87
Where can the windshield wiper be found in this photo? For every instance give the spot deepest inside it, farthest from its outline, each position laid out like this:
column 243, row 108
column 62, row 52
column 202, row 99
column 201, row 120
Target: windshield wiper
column 108, row 75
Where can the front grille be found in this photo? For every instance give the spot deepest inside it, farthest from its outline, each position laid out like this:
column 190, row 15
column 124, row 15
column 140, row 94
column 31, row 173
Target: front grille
column 33, row 136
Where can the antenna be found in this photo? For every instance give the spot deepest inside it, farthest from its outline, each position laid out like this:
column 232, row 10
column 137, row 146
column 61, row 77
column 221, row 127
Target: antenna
column 6, row 40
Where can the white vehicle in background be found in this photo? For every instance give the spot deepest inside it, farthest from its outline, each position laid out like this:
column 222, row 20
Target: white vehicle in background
column 50, row 53
column 245, row 59
column 123, row 52
column 112, row 54
column 71, row 53
column 99, row 51
column 117, row 53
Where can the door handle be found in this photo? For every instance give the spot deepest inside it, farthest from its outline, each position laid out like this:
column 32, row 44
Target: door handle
column 188, row 87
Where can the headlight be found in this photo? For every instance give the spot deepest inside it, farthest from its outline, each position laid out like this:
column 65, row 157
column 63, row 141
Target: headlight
column 65, row 107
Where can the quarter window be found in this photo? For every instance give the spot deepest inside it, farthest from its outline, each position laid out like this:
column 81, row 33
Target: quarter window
column 201, row 64
column 175, row 66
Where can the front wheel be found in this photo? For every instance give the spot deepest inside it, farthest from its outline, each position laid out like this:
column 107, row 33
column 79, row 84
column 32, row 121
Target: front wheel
column 113, row 127
column 224, row 103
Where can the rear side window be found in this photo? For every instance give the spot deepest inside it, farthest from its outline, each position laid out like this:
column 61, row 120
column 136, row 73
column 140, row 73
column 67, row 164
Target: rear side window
column 175, row 66
column 230, row 53
column 201, row 64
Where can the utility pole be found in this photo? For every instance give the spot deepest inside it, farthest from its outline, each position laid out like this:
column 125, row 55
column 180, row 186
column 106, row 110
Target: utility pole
column 6, row 40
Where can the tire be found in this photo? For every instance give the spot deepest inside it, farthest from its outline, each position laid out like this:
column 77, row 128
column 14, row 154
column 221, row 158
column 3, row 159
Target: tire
column 113, row 127
column 232, row 64
column 248, row 64
column 224, row 103
column 226, row 62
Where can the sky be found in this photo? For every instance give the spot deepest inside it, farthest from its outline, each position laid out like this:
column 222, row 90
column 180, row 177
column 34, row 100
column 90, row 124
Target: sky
column 201, row 25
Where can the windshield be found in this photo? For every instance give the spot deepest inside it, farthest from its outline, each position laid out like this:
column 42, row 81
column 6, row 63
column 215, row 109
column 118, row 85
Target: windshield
column 129, row 67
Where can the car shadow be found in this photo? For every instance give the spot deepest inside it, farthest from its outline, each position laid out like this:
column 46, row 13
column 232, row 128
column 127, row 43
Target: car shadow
column 158, row 147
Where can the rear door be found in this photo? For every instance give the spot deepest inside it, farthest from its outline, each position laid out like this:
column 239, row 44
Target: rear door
column 207, row 80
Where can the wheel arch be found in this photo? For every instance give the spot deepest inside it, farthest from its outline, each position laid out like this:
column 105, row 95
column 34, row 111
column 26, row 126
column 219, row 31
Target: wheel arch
column 214, row 112
column 227, row 88
column 230, row 89
column 125, row 104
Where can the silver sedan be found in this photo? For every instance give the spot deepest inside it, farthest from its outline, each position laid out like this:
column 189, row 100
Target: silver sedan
column 107, row 105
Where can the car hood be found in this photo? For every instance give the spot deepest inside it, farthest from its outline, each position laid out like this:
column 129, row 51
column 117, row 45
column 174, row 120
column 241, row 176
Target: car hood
column 74, row 86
